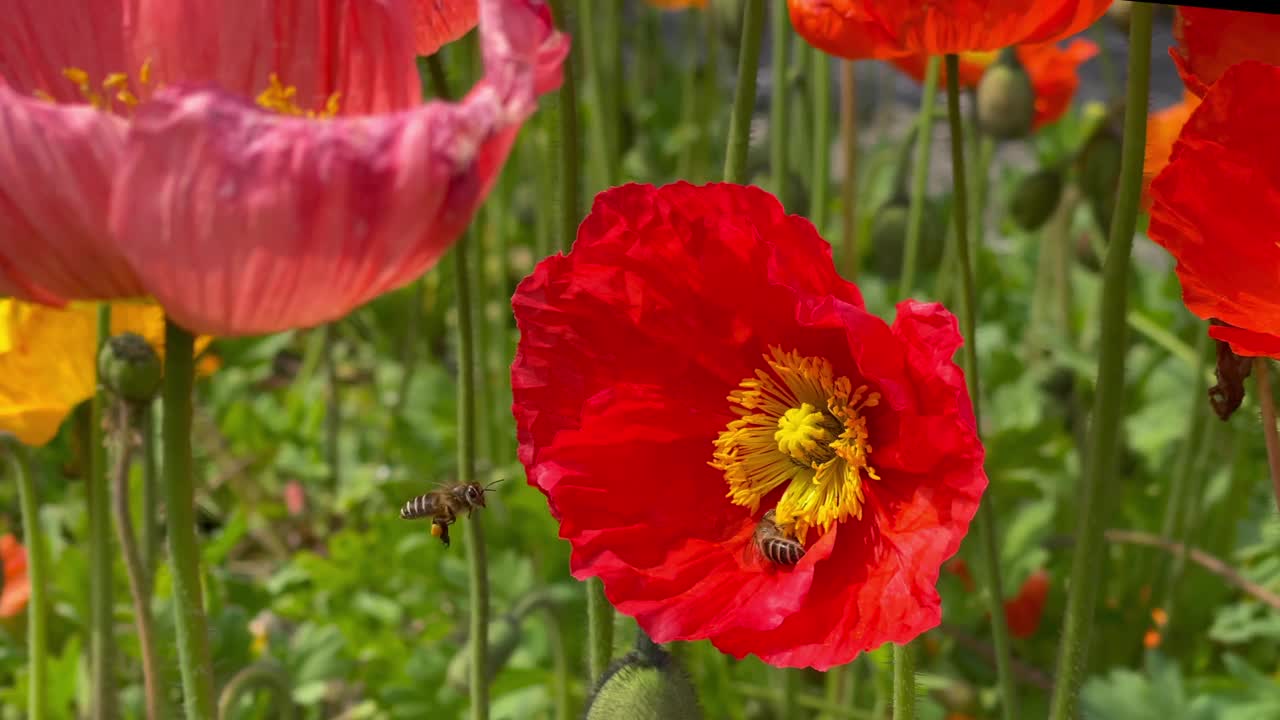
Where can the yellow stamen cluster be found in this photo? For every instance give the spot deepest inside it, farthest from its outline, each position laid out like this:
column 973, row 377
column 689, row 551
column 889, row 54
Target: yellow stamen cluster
column 282, row 98
column 802, row 426
column 114, row 88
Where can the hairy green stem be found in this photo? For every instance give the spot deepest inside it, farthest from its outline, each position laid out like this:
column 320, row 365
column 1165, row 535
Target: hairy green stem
column 920, row 176
column 820, row 183
column 690, row 103
column 332, row 405
column 129, row 420
column 262, row 674
column 184, row 552
column 150, row 496
column 744, row 97
column 849, row 190
column 37, row 577
column 779, row 112
column 1097, row 482
column 605, row 155
column 102, row 668
column 904, row 682
column 570, row 172
column 987, row 532
column 599, row 629
column 1267, row 401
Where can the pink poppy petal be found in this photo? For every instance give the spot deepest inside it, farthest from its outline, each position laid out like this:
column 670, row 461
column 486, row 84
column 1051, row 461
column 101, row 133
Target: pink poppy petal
column 362, row 50
column 41, row 38
column 437, row 22
column 56, row 165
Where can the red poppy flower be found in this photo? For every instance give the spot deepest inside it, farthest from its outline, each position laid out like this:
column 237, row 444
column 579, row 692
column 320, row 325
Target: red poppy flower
column 1052, row 70
column 696, row 361
column 857, row 29
column 17, row 586
column 337, row 186
column 1024, row 611
column 1210, row 41
column 1216, row 208
column 1163, row 127
column 438, row 22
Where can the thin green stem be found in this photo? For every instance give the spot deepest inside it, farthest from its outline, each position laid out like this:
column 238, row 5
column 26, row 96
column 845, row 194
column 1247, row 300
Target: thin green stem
column 599, row 629
column 849, row 190
column 263, row 674
column 1104, row 431
column 333, row 404
column 128, row 421
column 184, row 552
column 987, row 532
column 1269, row 435
column 605, row 155
column 150, row 496
column 779, row 112
column 920, row 176
column 904, row 682
column 820, row 183
column 102, row 638
column 37, row 577
column 789, row 697
column 711, row 91
column 691, row 120
column 744, row 97
column 570, row 171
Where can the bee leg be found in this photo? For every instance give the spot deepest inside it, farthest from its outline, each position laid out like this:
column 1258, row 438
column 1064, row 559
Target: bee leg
column 440, row 530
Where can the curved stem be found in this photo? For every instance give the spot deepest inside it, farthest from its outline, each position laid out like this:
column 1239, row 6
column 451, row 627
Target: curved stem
column 904, row 682
column 37, row 577
column 128, row 420
column 184, row 551
column 820, row 183
column 986, row 522
column 570, row 172
column 849, row 189
column 101, row 639
column 779, row 112
column 1104, row 431
column 920, row 175
column 744, row 98
column 1267, row 401
column 263, row 674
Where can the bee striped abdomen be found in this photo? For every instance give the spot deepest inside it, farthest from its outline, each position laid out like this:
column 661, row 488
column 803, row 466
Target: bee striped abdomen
column 419, row 507
column 781, row 551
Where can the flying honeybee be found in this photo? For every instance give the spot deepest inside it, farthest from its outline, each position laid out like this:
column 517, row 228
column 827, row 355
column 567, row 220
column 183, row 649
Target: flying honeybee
column 774, row 544
column 444, row 504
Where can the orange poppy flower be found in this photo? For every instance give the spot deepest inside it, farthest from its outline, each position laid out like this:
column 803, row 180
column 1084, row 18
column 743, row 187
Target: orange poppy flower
column 1163, row 127
column 1210, row 41
column 1052, row 70
column 1215, row 209
column 884, row 29
column 17, row 587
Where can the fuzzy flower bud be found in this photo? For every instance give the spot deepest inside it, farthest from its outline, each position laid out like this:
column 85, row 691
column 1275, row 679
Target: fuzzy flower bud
column 1035, row 197
column 1006, row 99
column 645, row 684
column 130, row 368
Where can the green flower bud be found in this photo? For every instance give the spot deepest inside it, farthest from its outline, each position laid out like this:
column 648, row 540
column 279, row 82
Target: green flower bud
column 1035, row 198
column 504, row 638
column 728, row 18
column 130, row 368
column 889, row 238
column 1006, row 100
column 645, row 684
column 1098, row 172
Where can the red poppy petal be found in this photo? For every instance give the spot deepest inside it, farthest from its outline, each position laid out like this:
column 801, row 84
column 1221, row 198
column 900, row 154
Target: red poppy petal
column 363, row 51
column 438, row 22
column 41, row 38
column 1212, row 40
column 1246, row 342
column 1227, row 261
column 56, row 163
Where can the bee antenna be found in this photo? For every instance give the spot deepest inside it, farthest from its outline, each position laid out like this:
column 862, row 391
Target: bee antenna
column 495, row 482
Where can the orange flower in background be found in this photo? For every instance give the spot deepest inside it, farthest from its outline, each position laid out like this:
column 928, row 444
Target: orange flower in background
column 1216, row 208
column 1163, row 127
column 17, row 587
column 884, row 29
column 1052, row 70
column 1210, row 41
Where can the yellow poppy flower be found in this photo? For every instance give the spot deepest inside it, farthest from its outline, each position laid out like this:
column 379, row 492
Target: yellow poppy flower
column 48, row 360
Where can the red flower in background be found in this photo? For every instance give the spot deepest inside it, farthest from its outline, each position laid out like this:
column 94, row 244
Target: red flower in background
column 1024, row 611
column 884, row 29
column 17, row 586
column 1052, row 70
column 1163, row 127
column 1210, row 41
column 696, row 361
column 1216, row 208
column 337, row 186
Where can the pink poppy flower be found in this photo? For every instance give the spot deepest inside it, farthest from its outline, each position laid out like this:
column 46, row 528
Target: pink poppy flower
column 337, row 185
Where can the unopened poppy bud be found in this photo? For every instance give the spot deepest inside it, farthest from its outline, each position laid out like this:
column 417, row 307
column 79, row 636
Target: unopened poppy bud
column 728, row 17
column 889, row 238
column 1098, row 172
column 504, row 638
column 1035, row 197
column 645, row 684
column 130, row 368
column 1006, row 100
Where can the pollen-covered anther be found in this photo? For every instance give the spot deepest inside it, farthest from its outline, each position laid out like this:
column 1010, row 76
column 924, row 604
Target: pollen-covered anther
column 283, row 99
column 114, row 88
column 801, row 426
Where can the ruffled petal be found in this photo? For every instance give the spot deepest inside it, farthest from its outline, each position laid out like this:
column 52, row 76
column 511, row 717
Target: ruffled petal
column 56, row 167
column 439, row 22
column 241, row 222
column 1211, row 40
column 39, row 39
column 1163, row 128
